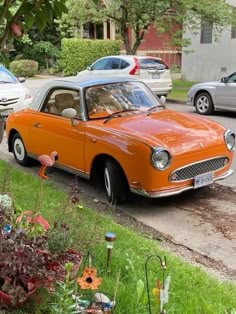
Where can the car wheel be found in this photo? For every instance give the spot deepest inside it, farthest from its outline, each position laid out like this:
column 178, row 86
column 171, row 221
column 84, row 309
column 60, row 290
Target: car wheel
column 203, row 104
column 115, row 182
column 19, row 150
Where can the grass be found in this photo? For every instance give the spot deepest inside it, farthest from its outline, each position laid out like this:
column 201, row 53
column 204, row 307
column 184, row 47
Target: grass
column 180, row 90
column 191, row 289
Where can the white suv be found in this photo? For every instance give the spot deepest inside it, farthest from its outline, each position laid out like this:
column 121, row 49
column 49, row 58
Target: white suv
column 154, row 72
column 13, row 95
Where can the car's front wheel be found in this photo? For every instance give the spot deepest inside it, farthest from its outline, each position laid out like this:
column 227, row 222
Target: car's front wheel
column 203, row 104
column 116, row 185
column 19, row 150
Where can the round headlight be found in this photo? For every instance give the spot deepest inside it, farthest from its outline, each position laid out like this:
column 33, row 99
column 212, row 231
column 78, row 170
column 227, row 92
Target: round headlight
column 229, row 140
column 161, row 158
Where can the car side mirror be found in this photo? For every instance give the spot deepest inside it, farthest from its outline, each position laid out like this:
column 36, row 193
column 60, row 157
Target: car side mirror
column 89, row 68
column 162, row 100
column 223, row 80
column 21, row 79
column 69, row 113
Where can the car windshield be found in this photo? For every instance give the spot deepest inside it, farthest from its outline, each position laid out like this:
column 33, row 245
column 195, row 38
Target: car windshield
column 6, row 76
column 105, row 100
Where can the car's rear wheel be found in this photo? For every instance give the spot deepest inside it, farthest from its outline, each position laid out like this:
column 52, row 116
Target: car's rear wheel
column 19, row 150
column 116, row 185
column 203, row 104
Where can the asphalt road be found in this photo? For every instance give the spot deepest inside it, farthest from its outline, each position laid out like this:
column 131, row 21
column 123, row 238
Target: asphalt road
column 200, row 222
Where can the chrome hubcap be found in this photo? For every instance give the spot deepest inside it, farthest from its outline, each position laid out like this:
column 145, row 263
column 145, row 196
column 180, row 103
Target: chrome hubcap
column 202, row 104
column 107, row 182
column 19, row 149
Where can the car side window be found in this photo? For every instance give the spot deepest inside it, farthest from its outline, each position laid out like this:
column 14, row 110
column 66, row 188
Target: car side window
column 115, row 63
column 124, row 64
column 100, row 64
column 232, row 78
column 60, row 99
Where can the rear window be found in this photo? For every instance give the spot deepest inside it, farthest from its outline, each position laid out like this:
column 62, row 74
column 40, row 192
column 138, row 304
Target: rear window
column 152, row 63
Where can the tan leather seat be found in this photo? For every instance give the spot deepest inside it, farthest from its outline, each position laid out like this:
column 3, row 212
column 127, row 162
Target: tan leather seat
column 64, row 101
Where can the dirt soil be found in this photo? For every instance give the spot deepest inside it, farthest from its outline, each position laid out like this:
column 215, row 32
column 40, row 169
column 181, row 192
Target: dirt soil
column 206, row 208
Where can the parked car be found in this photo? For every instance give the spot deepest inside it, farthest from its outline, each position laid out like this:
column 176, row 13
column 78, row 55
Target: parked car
column 210, row 96
column 115, row 130
column 13, row 95
column 154, row 72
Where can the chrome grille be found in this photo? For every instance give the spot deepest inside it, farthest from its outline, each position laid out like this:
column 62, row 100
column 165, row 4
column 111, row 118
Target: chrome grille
column 191, row 171
column 9, row 101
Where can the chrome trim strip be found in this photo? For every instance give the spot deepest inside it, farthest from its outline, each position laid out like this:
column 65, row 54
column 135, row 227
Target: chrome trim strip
column 73, row 171
column 67, row 169
column 176, row 190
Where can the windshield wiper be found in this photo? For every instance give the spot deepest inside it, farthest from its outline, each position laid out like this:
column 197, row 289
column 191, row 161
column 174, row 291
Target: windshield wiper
column 152, row 109
column 3, row 82
column 118, row 114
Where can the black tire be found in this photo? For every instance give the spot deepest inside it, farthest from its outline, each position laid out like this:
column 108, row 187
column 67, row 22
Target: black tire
column 19, row 150
column 116, row 185
column 204, row 104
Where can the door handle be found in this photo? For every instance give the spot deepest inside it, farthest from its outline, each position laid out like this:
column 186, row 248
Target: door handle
column 36, row 125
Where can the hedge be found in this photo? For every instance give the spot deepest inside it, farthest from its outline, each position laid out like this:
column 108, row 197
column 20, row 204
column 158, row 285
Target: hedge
column 25, row 68
column 78, row 54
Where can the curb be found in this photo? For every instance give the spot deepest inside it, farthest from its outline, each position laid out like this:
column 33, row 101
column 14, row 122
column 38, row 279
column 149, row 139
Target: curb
column 175, row 101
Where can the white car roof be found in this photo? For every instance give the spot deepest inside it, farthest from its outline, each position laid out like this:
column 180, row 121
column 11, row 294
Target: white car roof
column 128, row 57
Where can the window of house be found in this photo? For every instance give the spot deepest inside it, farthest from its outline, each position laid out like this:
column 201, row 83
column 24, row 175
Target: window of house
column 206, row 33
column 233, row 26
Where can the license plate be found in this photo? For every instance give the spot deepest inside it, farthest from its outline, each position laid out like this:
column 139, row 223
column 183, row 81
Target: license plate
column 6, row 112
column 155, row 76
column 203, row 179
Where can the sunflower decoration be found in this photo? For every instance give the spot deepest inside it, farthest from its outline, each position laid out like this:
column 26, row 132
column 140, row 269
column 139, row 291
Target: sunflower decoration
column 89, row 279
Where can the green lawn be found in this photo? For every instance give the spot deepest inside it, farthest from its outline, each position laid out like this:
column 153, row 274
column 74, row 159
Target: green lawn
column 192, row 291
column 180, row 90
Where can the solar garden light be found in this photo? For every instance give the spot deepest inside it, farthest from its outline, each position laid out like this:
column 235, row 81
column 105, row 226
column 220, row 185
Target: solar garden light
column 110, row 238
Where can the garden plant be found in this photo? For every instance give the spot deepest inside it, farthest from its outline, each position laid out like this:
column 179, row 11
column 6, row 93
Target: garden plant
column 192, row 289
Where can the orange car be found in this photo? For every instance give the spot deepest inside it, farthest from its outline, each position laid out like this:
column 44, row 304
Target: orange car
column 117, row 131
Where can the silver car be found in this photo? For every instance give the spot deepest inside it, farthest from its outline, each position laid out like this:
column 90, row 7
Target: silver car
column 210, row 96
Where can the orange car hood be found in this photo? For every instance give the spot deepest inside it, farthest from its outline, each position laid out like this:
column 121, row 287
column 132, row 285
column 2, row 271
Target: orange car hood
column 177, row 131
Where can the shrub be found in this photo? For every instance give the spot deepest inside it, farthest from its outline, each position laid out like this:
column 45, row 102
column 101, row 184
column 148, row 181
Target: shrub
column 77, row 54
column 44, row 52
column 25, row 68
column 175, row 68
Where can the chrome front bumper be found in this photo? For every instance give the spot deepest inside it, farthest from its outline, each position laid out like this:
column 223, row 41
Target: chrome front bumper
column 157, row 194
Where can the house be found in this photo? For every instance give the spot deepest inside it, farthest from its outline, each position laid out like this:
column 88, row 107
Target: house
column 153, row 44
column 158, row 45
column 211, row 55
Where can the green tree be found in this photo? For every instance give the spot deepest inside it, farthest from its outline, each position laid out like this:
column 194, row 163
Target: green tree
column 19, row 16
column 79, row 13
column 164, row 14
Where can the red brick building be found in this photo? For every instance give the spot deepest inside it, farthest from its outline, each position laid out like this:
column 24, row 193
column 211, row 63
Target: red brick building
column 158, row 45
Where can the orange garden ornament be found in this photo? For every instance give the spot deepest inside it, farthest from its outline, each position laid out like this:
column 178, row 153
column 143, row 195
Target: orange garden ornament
column 89, row 279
